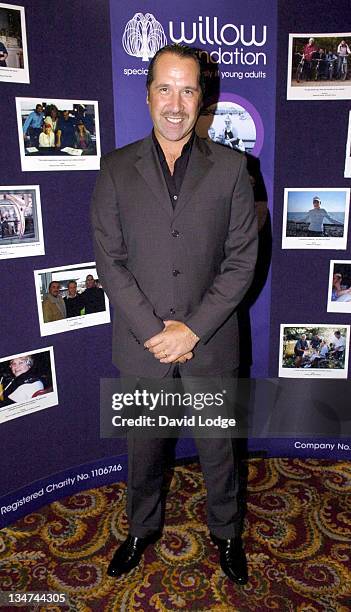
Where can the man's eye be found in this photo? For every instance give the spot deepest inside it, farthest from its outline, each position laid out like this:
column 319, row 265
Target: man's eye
column 163, row 89
column 188, row 92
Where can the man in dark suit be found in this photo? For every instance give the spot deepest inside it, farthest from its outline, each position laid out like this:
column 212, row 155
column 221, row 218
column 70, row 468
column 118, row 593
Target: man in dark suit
column 175, row 240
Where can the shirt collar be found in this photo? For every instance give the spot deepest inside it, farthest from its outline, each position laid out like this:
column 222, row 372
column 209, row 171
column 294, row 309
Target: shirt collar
column 187, row 147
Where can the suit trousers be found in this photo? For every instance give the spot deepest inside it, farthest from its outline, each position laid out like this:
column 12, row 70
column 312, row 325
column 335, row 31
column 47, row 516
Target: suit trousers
column 147, row 461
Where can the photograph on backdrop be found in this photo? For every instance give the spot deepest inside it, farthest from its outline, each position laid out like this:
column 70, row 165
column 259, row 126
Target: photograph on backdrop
column 21, row 228
column 229, row 124
column 70, row 297
column 27, row 383
column 319, row 67
column 347, row 172
column 315, row 218
column 314, row 351
column 339, row 288
column 58, row 134
column 13, row 44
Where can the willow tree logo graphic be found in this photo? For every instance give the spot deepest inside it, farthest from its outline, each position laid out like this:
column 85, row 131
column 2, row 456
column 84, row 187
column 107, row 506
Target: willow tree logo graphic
column 143, row 36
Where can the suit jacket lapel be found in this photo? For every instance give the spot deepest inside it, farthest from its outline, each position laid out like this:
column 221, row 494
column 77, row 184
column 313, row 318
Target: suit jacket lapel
column 199, row 165
column 149, row 167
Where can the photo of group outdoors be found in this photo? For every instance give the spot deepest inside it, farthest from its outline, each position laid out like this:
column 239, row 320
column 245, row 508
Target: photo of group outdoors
column 27, row 383
column 58, row 134
column 13, row 44
column 319, row 66
column 339, row 288
column 315, row 218
column 314, row 351
column 228, row 123
column 21, row 229
column 347, row 172
column 70, row 297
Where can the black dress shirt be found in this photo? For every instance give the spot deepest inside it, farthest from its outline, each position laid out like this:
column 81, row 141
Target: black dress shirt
column 174, row 181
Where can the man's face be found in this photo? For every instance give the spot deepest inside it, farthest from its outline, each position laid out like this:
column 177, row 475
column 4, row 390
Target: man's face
column 54, row 289
column 66, row 114
column 89, row 281
column 72, row 289
column 316, row 203
column 39, row 109
column 174, row 97
column 19, row 366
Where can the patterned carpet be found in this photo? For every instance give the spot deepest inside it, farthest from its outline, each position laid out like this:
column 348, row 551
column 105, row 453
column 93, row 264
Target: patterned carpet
column 297, row 537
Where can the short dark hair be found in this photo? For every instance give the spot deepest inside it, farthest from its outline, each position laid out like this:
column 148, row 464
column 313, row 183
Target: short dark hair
column 52, row 282
column 71, row 281
column 181, row 51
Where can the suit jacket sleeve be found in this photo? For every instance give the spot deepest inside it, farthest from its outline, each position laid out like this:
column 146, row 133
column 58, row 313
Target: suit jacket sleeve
column 238, row 266
column 111, row 260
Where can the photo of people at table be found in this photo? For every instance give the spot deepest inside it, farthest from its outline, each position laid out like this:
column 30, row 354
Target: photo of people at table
column 58, row 134
column 47, row 127
column 339, row 291
column 70, row 297
column 320, row 347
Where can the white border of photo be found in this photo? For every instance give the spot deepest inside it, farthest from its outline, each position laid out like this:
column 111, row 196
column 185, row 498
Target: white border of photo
column 323, row 90
column 69, row 323
column 72, row 160
column 337, row 306
column 320, row 373
column 17, row 75
column 306, row 242
column 24, row 249
column 13, row 411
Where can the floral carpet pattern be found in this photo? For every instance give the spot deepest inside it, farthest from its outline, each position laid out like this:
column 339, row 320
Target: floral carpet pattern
column 297, row 538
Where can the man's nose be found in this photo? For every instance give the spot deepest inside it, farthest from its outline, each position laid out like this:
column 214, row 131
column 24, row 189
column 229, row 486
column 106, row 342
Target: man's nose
column 176, row 102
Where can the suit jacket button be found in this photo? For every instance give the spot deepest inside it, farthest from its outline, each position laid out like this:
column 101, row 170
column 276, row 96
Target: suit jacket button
column 175, row 272
column 172, row 311
column 175, row 233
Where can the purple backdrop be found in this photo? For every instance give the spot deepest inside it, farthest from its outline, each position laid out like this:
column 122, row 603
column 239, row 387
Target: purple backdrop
column 202, row 24
column 70, row 56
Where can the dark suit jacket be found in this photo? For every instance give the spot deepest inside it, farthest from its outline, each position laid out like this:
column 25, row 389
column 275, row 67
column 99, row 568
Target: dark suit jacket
column 192, row 264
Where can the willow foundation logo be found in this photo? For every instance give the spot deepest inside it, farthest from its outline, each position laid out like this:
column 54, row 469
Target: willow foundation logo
column 143, row 36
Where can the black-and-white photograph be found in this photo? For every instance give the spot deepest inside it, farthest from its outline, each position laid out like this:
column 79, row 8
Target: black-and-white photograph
column 21, row 228
column 339, row 288
column 319, row 66
column 347, row 172
column 314, row 351
column 13, row 44
column 315, row 218
column 58, row 134
column 228, row 123
column 27, row 383
column 70, row 297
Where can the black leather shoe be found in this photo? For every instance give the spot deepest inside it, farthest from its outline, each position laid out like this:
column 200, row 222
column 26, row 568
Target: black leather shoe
column 128, row 555
column 232, row 558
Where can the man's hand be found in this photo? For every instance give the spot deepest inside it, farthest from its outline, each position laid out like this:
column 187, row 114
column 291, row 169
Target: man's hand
column 176, row 340
column 185, row 357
